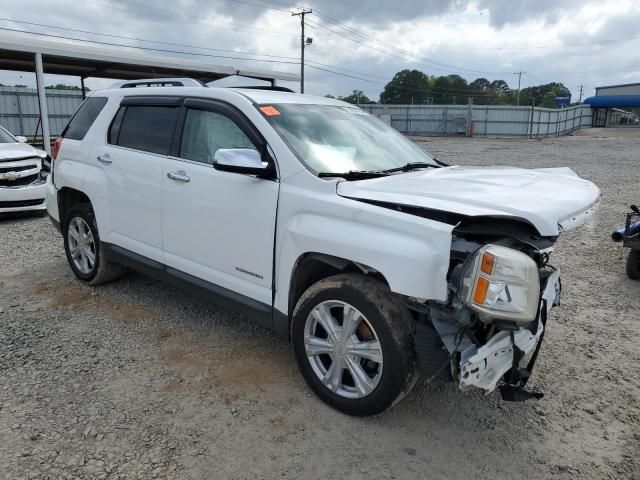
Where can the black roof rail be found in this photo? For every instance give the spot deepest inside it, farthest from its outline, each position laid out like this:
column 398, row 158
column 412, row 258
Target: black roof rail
column 159, row 82
column 266, row 87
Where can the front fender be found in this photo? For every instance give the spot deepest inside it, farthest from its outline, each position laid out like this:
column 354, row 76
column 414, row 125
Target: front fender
column 412, row 253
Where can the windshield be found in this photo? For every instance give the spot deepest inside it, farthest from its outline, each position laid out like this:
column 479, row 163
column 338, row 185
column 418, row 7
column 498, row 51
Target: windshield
column 6, row 137
column 337, row 139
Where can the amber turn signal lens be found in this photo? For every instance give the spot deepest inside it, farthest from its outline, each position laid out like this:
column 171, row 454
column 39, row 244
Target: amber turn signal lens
column 488, row 261
column 481, row 290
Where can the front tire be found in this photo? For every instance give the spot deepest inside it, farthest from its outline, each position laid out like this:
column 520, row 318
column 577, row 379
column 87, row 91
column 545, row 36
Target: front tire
column 633, row 264
column 83, row 248
column 352, row 341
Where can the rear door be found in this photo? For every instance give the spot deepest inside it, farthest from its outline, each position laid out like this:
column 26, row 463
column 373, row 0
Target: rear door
column 218, row 226
column 139, row 140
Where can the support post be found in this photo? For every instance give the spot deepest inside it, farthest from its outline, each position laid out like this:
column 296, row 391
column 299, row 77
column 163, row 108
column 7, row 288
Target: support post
column 519, row 81
column 531, row 119
column 42, row 99
column 470, row 117
column 84, row 95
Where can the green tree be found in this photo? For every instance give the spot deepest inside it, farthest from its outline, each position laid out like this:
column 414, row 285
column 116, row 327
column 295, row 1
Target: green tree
column 500, row 93
column 543, row 95
column 450, row 89
column 480, row 85
column 357, row 98
column 406, row 87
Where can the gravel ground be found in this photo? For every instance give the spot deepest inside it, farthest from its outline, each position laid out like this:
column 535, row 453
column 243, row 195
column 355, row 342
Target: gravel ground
column 139, row 380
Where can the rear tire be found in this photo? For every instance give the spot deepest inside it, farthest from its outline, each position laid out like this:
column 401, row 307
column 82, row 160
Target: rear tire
column 83, row 248
column 633, row 265
column 371, row 335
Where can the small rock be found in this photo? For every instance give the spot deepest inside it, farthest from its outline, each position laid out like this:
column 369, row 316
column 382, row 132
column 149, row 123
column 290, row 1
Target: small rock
column 410, row 451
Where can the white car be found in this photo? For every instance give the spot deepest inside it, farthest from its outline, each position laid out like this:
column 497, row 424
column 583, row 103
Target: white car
column 23, row 173
column 320, row 221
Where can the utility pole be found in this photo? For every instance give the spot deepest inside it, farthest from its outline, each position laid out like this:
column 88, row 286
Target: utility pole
column 303, row 43
column 580, row 100
column 519, row 80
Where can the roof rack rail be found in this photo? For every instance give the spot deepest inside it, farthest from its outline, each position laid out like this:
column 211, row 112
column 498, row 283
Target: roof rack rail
column 159, row 82
column 266, row 87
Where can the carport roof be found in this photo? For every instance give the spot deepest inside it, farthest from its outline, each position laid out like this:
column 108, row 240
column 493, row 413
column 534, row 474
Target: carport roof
column 606, row 101
column 74, row 58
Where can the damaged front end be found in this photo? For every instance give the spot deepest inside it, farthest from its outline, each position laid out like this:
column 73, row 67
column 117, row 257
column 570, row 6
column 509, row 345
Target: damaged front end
column 489, row 331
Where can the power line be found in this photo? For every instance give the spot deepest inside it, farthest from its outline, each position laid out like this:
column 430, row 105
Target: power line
column 351, row 30
column 259, row 5
column 452, row 47
column 194, row 18
column 310, row 62
column 539, row 47
column 431, row 90
column 147, row 48
column 124, row 37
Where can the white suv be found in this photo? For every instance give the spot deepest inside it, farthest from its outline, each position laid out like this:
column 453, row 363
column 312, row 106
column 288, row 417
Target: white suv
column 322, row 222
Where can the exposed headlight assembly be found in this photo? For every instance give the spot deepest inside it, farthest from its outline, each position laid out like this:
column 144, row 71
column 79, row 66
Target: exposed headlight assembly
column 501, row 283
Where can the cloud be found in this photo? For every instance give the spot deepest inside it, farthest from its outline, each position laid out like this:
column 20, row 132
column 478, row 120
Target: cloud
column 504, row 12
column 456, row 36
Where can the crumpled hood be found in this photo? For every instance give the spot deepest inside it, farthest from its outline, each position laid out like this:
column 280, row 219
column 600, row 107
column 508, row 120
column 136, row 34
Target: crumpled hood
column 551, row 199
column 9, row 151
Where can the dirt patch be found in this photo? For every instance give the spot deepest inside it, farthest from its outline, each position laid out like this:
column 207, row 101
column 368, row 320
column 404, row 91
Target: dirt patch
column 76, row 296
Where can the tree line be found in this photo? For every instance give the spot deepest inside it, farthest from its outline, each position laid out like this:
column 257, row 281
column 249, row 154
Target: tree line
column 418, row 88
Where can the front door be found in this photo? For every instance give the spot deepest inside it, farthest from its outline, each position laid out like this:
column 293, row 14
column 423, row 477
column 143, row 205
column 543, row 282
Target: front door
column 218, row 226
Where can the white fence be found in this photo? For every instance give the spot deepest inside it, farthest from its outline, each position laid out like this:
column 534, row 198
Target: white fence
column 19, row 113
column 482, row 120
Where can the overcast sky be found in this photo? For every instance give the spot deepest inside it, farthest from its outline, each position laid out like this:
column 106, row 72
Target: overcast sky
column 577, row 42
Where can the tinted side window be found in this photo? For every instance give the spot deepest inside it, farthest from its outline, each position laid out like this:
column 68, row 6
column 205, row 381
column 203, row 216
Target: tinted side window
column 83, row 119
column 205, row 132
column 148, row 128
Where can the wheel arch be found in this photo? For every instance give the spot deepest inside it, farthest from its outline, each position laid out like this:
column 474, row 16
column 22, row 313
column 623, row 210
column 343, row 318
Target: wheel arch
column 67, row 198
column 310, row 268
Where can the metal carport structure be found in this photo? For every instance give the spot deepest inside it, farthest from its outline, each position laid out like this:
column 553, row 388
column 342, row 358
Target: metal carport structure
column 22, row 53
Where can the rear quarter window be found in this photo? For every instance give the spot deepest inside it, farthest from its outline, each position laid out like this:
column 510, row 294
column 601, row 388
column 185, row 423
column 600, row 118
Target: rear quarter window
column 81, row 122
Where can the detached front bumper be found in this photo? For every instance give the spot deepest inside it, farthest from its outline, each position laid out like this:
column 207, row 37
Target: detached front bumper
column 509, row 355
column 509, row 350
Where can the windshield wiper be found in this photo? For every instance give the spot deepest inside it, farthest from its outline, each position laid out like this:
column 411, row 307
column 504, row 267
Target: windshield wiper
column 410, row 166
column 365, row 174
column 354, row 174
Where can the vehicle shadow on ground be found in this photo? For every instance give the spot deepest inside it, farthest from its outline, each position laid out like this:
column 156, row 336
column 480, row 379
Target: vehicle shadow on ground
column 21, row 216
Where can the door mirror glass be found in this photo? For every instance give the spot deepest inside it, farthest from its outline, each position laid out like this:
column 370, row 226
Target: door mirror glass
column 240, row 160
column 21, row 139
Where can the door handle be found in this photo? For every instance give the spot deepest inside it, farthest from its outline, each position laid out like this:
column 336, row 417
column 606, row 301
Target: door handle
column 104, row 158
column 180, row 176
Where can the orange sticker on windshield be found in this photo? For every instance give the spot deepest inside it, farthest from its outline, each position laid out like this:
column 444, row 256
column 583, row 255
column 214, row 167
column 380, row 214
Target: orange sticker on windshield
column 270, row 111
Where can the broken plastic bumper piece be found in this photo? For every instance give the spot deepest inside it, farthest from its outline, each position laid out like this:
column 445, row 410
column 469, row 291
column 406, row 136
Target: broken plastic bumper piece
column 509, row 353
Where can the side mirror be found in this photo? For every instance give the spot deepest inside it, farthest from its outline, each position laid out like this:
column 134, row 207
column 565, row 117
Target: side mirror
column 241, row 160
column 21, row 139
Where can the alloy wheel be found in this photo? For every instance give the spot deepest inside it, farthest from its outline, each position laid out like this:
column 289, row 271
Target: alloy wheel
column 82, row 245
column 343, row 349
